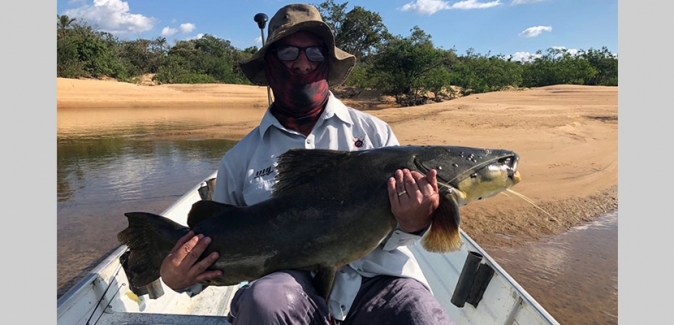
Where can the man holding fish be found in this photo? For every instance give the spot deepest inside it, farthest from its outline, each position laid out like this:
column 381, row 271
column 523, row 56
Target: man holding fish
column 299, row 62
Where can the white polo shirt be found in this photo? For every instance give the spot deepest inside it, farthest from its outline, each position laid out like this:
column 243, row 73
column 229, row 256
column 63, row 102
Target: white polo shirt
column 246, row 175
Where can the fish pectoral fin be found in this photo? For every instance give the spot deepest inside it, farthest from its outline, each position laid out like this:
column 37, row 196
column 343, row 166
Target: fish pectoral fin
column 325, row 277
column 205, row 209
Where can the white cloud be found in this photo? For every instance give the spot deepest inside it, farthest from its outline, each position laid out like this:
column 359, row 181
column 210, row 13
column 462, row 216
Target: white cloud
column 429, row 7
column 474, row 4
column 521, row 2
column 168, row 31
column 112, row 16
column 525, row 56
column 258, row 40
column 535, row 31
column 187, row 28
column 426, row 7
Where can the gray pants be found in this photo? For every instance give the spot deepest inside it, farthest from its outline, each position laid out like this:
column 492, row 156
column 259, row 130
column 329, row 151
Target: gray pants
column 289, row 297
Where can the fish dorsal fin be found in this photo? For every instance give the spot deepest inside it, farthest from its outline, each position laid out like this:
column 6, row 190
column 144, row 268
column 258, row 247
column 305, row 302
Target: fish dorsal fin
column 296, row 167
column 205, row 209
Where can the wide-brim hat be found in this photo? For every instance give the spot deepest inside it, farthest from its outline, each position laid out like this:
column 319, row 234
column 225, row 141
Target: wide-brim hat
column 288, row 20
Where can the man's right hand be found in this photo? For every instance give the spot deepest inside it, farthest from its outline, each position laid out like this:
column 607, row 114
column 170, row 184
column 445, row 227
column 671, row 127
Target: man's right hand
column 180, row 268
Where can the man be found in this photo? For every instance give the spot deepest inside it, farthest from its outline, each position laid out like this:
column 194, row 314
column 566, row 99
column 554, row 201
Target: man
column 299, row 62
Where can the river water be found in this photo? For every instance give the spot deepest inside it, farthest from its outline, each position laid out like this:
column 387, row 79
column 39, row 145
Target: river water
column 574, row 276
column 109, row 162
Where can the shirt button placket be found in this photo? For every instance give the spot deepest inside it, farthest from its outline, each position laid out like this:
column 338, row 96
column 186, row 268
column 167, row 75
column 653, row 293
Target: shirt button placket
column 309, row 143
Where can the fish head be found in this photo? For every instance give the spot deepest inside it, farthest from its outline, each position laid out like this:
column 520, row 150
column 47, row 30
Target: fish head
column 468, row 173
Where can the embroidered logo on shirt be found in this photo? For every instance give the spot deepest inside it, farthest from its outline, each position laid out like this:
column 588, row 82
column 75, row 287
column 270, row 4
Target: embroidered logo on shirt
column 264, row 172
column 358, row 142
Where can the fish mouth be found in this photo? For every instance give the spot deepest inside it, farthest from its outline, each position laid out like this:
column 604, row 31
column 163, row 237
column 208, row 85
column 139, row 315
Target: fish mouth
column 510, row 163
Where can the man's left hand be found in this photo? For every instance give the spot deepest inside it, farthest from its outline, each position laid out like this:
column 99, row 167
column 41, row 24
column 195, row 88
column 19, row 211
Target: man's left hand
column 413, row 198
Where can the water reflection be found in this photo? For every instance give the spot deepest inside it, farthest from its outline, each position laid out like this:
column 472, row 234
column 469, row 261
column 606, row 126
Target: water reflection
column 116, row 166
column 574, row 276
column 103, row 172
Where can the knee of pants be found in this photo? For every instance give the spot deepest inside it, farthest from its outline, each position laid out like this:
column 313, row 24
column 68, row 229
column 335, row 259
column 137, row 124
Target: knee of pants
column 418, row 303
column 272, row 294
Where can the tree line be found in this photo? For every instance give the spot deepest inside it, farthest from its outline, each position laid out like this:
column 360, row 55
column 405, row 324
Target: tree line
column 405, row 67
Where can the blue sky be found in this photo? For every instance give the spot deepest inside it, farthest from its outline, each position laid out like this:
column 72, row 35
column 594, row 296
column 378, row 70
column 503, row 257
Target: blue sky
column 509, row 27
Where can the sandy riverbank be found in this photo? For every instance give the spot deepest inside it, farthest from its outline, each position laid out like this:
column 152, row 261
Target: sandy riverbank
column 567, row 137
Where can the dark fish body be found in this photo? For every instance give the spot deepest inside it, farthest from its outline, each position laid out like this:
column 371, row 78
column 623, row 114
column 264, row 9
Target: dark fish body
column 328, row 208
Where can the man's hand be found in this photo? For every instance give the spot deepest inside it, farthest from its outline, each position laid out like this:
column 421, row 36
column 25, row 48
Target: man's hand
column 414, row 199
column 179, row 269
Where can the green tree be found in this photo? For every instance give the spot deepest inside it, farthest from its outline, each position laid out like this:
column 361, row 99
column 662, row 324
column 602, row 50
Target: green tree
column 207, row 59
column 333, row 14
column 87, row 52
column 437, row 81
column 361, row 32
column 606, row 65
column 358, row 31
column 557, row 66
column 403, row 64
column 63, row 23
column 405, row 67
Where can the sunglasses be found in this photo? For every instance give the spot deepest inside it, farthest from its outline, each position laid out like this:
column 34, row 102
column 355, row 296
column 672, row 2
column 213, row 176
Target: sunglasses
column 291, row 53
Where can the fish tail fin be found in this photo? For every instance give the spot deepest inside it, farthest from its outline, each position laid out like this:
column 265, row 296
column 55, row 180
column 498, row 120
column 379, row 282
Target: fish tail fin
column 444, row 235
column 149, row 238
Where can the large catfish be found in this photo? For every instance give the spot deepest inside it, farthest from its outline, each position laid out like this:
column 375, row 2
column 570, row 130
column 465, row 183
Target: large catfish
column 328, row 208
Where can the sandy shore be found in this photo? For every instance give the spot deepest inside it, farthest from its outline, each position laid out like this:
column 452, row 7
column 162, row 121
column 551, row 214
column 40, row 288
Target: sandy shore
column 567, row 138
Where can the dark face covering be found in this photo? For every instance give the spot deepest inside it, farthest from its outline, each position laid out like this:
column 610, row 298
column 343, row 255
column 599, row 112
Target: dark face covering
column 299, row 99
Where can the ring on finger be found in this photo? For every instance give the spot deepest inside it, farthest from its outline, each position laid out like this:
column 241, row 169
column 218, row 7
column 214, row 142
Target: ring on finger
column 402, row 192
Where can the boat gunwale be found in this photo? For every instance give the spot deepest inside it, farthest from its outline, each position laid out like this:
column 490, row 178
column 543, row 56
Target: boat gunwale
column 520, row 290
